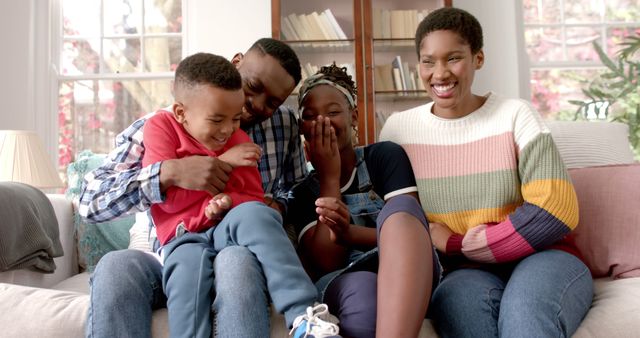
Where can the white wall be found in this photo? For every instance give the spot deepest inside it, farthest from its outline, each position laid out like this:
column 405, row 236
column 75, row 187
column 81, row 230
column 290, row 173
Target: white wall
column 226, row 27
column 15, row 58
column 505, row 70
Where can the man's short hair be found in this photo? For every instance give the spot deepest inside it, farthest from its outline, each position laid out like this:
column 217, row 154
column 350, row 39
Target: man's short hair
column 281, row 52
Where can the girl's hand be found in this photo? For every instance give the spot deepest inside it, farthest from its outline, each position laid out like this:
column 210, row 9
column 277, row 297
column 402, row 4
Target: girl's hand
column 322, row 148
column 440, row 234
column 333, row 213
column 218, row 206
column 242, row 155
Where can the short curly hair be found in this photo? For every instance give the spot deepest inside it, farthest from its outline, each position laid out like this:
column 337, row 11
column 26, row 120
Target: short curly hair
column 205, row 68
column 281, row 52
column 339, row 75
column 451, row 19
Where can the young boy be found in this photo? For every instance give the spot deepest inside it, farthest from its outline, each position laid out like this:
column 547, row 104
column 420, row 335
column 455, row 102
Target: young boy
column 192, row 227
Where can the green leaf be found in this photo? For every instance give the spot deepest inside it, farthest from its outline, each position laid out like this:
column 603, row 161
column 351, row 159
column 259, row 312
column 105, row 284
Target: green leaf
column 604, row 57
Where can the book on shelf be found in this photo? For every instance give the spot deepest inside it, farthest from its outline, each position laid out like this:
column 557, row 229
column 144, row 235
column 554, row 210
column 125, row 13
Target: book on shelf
column 401, row 81
column 312, row 26
column 396, row 23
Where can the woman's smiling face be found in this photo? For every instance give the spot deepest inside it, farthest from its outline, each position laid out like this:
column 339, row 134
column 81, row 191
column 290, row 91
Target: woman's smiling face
column 447, row 69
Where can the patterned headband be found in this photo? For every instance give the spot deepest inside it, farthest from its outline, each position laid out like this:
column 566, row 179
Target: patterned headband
column 318, row 79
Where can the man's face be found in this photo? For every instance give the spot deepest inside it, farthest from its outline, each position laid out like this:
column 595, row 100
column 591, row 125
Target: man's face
column 266, row 85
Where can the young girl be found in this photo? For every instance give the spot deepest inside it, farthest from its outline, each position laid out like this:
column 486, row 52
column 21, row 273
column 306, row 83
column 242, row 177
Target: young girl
column 493, row 185
column 359, row 200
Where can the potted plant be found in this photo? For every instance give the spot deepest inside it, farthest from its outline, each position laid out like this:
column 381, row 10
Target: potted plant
column 615, row 95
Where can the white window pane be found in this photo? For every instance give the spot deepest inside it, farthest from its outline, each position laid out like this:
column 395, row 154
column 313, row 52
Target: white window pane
column 544, row 44
column 579, row 43
column 163, row 16
column 92, row 112
column 623, row 10
column 81, row 17
column 122, row 55
column 551, row 90
column 542, row 11
column 162, row 54
column 584, row 11
column 122, row 17
column 80, row 57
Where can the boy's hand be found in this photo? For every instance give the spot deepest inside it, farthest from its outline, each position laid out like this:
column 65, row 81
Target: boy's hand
column 218, row 205
column 322, row 148
column 242, row 155
column 334, row 213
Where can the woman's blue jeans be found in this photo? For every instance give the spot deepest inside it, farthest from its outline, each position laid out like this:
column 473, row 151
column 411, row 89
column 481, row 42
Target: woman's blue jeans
column 127, row 286
column 546, row 295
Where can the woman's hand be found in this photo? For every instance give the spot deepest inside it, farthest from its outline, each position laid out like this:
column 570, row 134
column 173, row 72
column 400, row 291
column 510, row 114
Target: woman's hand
column 440, row 234
column 322, row 148
column 333, row 213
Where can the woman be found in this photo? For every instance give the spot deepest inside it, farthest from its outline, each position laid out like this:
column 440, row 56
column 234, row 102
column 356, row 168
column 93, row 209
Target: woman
column 356, row 201
column 497, row 193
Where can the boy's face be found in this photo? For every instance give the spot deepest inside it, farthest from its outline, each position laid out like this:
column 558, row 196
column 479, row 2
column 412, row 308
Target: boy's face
column 326, row 101
column 210, row 114
column 447, row 68
column 266, row 85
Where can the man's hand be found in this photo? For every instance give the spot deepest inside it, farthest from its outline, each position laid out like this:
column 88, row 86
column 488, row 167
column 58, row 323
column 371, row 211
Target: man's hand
column 334, row 214
column 242, row 155
column 322, row 148
column 195, row 173
column 440, row 234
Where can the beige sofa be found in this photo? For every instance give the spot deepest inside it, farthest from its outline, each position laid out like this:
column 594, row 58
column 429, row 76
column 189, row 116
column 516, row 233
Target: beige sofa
column 33, row 304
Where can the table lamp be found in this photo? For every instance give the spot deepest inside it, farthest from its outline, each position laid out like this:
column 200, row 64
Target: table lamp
column 23, row 159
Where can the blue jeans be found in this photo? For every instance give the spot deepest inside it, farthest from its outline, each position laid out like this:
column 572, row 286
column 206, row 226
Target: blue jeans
column 127, row 286
column 188, row 276
column 546, row 295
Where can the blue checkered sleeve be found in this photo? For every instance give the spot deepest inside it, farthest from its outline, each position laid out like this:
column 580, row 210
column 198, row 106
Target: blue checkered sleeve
column 121, row 186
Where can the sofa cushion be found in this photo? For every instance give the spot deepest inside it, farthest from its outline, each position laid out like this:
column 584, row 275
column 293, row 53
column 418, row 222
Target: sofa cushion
column 614, row 311
column 586, row 144
column 94, row 240
column 608, row 232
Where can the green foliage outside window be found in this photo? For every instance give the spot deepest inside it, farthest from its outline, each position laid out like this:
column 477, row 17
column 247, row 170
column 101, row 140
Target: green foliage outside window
column 615, row 95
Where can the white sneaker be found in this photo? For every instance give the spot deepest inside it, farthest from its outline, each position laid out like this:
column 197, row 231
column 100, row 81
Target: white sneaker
column 316, row 323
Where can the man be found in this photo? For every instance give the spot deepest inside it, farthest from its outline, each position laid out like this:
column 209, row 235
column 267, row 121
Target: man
column 126, row 286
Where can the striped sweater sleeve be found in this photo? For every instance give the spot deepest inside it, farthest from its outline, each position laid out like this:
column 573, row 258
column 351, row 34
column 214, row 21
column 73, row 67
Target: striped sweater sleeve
column 548, row 213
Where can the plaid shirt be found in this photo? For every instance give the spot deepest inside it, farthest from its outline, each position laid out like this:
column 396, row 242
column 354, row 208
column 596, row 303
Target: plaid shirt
column 122, row 186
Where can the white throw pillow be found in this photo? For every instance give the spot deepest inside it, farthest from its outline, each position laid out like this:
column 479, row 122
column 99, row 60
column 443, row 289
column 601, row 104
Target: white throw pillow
column 139, row 234
column 587, row 144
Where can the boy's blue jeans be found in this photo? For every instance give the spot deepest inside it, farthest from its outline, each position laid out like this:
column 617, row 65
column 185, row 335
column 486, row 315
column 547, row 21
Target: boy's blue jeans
column 188, row 274
column 127, row 286
column 546, row 295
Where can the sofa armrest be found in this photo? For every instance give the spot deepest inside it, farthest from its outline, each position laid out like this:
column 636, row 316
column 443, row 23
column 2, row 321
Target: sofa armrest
column 66, row 265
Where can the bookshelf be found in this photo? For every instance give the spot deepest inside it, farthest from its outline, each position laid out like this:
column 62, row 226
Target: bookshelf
column 374, row 39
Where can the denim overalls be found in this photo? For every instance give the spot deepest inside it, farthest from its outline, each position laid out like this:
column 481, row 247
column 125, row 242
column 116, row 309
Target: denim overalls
column 364, row 207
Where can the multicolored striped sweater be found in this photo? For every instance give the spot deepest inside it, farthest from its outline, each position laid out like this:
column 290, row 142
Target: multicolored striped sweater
column 494, row 177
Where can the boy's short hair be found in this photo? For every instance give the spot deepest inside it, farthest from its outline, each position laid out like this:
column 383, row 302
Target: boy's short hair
column 206, row 68
column 281, row 52
column 451, row 19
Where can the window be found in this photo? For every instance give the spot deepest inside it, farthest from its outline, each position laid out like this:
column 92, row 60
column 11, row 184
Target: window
column 559, row 36
column 115, row 63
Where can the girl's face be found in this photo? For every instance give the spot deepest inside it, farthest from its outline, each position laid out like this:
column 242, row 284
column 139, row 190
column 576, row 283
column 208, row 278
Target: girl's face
column 447, row 68
column 327, row 101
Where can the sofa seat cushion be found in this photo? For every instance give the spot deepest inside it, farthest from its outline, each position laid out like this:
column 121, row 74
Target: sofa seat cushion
column 615, row 311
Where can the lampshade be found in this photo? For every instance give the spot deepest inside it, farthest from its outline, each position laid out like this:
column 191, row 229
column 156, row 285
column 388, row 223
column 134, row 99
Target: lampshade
column 23, row 159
